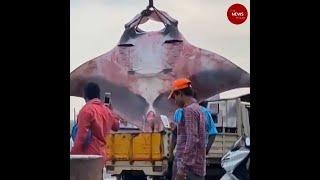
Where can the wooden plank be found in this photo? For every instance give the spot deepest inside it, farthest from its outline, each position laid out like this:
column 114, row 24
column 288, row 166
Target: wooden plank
column 231, row 138
column 215, row 155
column 217, row 151
column 220, row 120
column 228, row 144
column 245, row 120
column 231, row 117
column 219, row 137
column 217, row 145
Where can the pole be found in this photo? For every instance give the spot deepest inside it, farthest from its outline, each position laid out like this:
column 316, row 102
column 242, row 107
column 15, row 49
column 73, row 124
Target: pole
column 150, row 3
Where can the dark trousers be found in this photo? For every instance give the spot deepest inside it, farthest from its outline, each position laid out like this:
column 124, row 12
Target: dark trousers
column 190, row 175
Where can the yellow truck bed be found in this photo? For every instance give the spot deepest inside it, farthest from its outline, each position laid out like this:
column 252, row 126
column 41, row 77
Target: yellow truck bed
column 134, row 147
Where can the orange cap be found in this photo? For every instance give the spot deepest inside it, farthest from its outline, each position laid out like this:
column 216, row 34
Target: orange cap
column 179, row 84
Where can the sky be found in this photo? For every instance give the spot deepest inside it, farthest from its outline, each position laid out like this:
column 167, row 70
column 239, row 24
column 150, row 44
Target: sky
column 97, row 25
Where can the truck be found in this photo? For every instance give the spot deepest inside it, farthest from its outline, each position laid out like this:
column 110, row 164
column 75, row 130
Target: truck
column 135, row 154
column 232, row 122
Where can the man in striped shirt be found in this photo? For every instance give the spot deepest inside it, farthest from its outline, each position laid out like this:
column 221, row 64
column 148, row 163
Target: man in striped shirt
column 190, row 157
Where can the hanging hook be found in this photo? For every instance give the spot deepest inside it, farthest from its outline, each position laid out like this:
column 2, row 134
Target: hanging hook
column 150, row 4
column 147, row 11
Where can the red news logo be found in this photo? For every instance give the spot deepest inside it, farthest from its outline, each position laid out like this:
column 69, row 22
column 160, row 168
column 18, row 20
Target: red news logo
column 237, row 14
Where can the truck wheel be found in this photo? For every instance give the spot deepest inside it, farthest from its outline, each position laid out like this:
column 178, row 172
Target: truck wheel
column 133, row 175
column 158, row 178
column 118, row 177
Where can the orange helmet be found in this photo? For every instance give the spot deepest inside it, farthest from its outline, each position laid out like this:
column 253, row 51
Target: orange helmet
column 179, row 84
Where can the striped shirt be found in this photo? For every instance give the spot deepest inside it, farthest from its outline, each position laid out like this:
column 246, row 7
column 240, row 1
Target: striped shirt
column 191, row 148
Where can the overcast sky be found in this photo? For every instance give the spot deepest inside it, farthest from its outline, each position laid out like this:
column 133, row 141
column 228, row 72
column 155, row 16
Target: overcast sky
column 96, row 27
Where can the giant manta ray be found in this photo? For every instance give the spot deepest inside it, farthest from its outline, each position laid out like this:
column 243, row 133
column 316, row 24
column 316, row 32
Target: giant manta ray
column 139, row 71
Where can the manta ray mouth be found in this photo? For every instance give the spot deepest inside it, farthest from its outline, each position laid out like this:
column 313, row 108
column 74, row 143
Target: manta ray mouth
column 150, row 73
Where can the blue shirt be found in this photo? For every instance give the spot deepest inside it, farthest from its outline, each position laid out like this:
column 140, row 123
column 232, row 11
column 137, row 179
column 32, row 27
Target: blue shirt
column 210, row 126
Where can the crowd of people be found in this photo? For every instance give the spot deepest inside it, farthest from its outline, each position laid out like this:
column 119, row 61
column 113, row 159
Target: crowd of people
column 193, row 129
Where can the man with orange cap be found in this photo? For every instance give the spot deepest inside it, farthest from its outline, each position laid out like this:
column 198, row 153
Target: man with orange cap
column 190, row 156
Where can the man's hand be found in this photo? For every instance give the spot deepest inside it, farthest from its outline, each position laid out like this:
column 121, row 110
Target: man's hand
column 120, row 119
column 117, row 116
column 181, row 176
column 116, row 121
column 172, row 126
column 210, row 142
column 109, row 106
column 123, row 122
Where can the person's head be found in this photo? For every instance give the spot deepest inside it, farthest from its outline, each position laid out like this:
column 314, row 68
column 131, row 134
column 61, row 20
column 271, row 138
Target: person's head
column 195, row 95
column 181, row 91
column 203, row 104
column 91, row 91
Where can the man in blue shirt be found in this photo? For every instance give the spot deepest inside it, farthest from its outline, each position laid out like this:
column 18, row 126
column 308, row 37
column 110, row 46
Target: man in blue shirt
column 210, row 126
